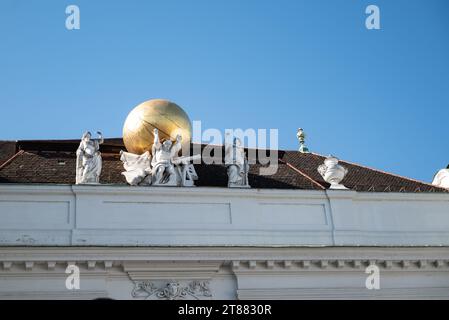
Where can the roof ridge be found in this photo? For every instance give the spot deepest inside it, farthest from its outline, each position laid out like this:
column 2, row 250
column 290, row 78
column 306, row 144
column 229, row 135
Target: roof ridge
column 18, row 153
column 302, row 173
column 381, row 171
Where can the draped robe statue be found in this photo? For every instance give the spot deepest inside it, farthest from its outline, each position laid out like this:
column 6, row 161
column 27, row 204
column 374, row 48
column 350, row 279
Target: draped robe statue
column 163, row 169
column 88, row 159
column 237, row 165
column 138, row 168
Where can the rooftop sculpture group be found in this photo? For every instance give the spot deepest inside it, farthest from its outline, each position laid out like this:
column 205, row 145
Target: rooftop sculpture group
column 163, row 167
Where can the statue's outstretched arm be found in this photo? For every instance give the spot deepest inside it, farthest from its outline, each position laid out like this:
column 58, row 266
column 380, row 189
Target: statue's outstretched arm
column 100, row 137
column 176, row 147
column 157, row 142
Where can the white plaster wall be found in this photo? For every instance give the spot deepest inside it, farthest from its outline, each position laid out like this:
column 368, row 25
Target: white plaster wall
column 124, row 215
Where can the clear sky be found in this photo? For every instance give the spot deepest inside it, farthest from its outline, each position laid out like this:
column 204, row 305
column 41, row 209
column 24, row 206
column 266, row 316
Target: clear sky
column 375, row 97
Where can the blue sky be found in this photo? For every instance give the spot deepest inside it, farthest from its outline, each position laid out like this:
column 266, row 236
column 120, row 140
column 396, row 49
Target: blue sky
column 375, row 97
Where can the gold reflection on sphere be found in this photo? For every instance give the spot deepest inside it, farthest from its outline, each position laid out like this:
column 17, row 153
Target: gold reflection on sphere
column 169, row 118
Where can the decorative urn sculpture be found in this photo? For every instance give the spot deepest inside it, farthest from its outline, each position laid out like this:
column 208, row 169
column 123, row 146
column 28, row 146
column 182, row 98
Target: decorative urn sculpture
column 441, row 179
column 333, row 173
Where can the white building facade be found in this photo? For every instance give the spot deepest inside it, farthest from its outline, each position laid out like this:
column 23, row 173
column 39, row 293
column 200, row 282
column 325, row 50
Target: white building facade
column 219, row 243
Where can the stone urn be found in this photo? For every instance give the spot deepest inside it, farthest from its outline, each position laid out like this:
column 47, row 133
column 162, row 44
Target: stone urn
column 333, row 173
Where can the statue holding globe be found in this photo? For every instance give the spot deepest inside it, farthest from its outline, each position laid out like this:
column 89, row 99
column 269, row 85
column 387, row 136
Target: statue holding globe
column 150, row 127
column 163, row 169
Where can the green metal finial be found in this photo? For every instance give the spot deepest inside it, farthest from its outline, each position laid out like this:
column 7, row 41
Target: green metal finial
column 302, row 137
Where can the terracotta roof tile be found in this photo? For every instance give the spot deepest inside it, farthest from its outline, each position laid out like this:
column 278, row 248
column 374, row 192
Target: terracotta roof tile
column 7, row 150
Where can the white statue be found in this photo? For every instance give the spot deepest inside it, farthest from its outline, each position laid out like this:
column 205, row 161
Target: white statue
column 138, row 168
column 237, row 165
column 88, row 159
column 333, row 173
column 186, row 171
column 163, row 168
column 441, row 179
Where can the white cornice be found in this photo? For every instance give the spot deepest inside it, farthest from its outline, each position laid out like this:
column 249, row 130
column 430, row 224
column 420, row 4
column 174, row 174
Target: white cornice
column 23, row 254
column 215, row 191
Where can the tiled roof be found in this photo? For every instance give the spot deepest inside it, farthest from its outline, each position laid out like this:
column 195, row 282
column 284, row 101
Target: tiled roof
column 53, row 162
column 7, row 150
column 359, row 177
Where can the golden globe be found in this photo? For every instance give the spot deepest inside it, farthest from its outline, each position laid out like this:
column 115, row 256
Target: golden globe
column 169, row 118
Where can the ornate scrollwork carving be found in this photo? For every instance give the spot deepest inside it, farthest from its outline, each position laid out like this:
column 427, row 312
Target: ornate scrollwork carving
column 172, row 290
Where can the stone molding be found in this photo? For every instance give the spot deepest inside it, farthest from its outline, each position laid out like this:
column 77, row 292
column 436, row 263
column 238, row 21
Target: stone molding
column 203, row 263
column 223, row 272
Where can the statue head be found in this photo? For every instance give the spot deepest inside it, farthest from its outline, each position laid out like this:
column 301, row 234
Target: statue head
column 166, row 145
column 237, row 142
column 86, row 136
column 173, row 288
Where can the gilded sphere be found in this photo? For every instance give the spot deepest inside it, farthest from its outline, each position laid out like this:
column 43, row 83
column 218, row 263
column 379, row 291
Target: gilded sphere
column 169, row 118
